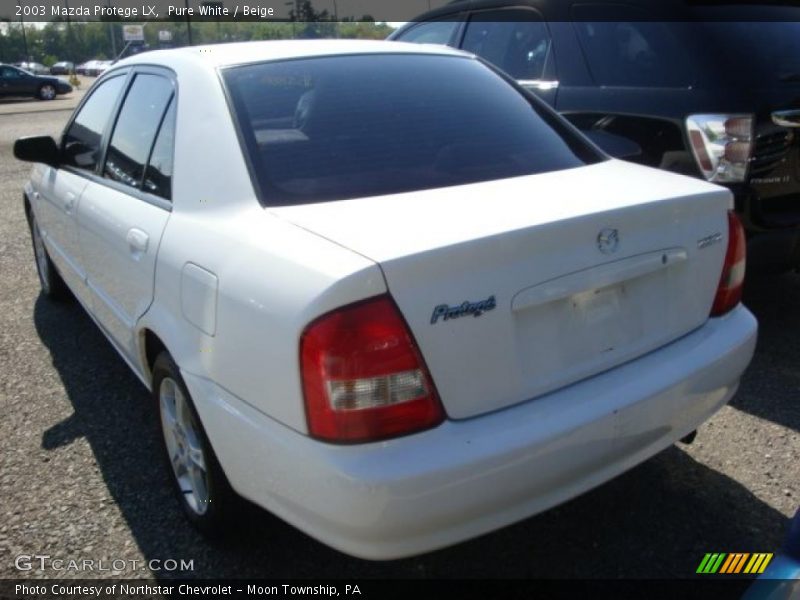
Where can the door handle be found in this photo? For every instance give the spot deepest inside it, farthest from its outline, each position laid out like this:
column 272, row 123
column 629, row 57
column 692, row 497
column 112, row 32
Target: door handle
column 137, row 242
column 539, row 84
column 786, row 118
column 69, row 202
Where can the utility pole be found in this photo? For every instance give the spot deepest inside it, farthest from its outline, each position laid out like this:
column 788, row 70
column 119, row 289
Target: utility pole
column 70, row 37
column 336, row 17
column 24, row 37
column 69, row 21
column 293, row 15
column 188, row 22
column 111, row 34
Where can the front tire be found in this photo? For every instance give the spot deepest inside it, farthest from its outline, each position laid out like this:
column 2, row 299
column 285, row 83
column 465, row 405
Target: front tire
column 51, row 283
column 46, row 92
column 201, row 486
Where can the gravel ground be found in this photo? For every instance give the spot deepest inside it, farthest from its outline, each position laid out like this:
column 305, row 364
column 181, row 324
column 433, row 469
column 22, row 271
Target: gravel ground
column 81, row 476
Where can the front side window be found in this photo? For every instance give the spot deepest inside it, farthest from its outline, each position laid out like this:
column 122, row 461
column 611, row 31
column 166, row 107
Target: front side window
column 431, row 32
column 10, row 73
column 517, row 41
column 352, row 126
column 135, row 131
column 82, row 141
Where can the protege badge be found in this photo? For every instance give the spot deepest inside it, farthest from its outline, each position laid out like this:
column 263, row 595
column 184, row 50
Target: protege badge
column 476, row 309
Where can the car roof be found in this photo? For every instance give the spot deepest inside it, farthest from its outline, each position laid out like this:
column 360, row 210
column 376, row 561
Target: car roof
column 223, row 55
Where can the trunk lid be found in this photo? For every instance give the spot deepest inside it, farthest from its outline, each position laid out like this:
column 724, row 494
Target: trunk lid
column 517, row 287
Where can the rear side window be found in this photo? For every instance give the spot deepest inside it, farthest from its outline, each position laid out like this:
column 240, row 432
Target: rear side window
column 351, row 126
column 82, row 141
column 135, row 131
column 517, row 41
column 431, row 32
column 158, row 175
column 622, row 48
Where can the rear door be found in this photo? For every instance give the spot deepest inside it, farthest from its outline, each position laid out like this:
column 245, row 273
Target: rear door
column 518, row 41
column 123, row 213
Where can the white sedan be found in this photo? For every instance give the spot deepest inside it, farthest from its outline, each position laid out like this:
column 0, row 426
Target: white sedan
column 380, row 290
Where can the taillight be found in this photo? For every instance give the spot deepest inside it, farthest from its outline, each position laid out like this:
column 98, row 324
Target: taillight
column 364, row 378
column 722, row 145
column 729, row 292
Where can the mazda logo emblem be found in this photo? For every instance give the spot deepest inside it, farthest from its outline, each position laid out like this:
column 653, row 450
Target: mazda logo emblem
column 608, row 241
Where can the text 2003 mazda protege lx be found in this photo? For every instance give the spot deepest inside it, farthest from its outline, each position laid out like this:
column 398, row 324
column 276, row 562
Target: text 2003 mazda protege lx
column 380, row 290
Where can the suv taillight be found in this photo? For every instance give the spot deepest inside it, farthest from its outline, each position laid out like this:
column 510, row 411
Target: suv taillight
column 364, row 378
column 722, row 145
column 729, row 291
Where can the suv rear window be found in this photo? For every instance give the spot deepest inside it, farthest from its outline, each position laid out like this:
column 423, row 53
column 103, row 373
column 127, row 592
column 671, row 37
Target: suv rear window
column 366, row 125
column 751, row 52
column 624, row 49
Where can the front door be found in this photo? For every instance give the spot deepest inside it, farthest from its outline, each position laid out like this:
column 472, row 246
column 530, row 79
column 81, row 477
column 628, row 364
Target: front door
column 123, row 214
column 58, row 191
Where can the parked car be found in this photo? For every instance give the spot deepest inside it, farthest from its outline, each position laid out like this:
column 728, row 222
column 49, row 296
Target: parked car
column 63, row 67
column 81, row 68
column 379, row 290
column 34, row 68
column 96, row 68
column 638, row 77
column 91, row 67
column 101, row 67
column 18, row 82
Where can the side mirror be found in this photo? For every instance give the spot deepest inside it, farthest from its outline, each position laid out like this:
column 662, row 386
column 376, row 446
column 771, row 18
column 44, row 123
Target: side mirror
column 612, row 144
column 39, row 149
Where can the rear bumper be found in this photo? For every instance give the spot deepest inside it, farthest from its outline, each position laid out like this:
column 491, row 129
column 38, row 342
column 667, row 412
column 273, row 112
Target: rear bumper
column 465, row 478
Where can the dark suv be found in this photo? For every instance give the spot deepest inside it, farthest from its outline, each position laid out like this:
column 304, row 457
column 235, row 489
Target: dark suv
column 710, row 90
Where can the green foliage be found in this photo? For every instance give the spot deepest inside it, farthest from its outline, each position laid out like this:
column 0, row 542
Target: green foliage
column 81, row 41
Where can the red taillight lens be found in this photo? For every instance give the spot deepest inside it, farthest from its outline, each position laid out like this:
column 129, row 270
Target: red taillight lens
column 363, row 377
column 731, row 283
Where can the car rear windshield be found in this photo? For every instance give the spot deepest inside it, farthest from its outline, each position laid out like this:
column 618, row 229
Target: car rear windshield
column 351, row 126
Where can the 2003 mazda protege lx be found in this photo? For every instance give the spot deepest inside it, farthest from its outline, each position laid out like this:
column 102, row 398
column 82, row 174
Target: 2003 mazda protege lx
column 380, row 290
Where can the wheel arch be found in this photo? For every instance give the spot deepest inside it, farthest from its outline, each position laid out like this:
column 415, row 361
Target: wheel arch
column 158, row 330
column 150, row 346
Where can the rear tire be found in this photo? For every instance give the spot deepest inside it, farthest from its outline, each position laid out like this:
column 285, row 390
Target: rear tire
column 200, row 484
column 51, row 283
column 46, row 92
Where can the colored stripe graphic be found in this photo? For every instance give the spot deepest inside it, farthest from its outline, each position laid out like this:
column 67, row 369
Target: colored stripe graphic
column 734, row 563
column 703, row 563
column 758, row 563
column 753, row 564
column 728, row 562
column 711, row 563
column 740, row 564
